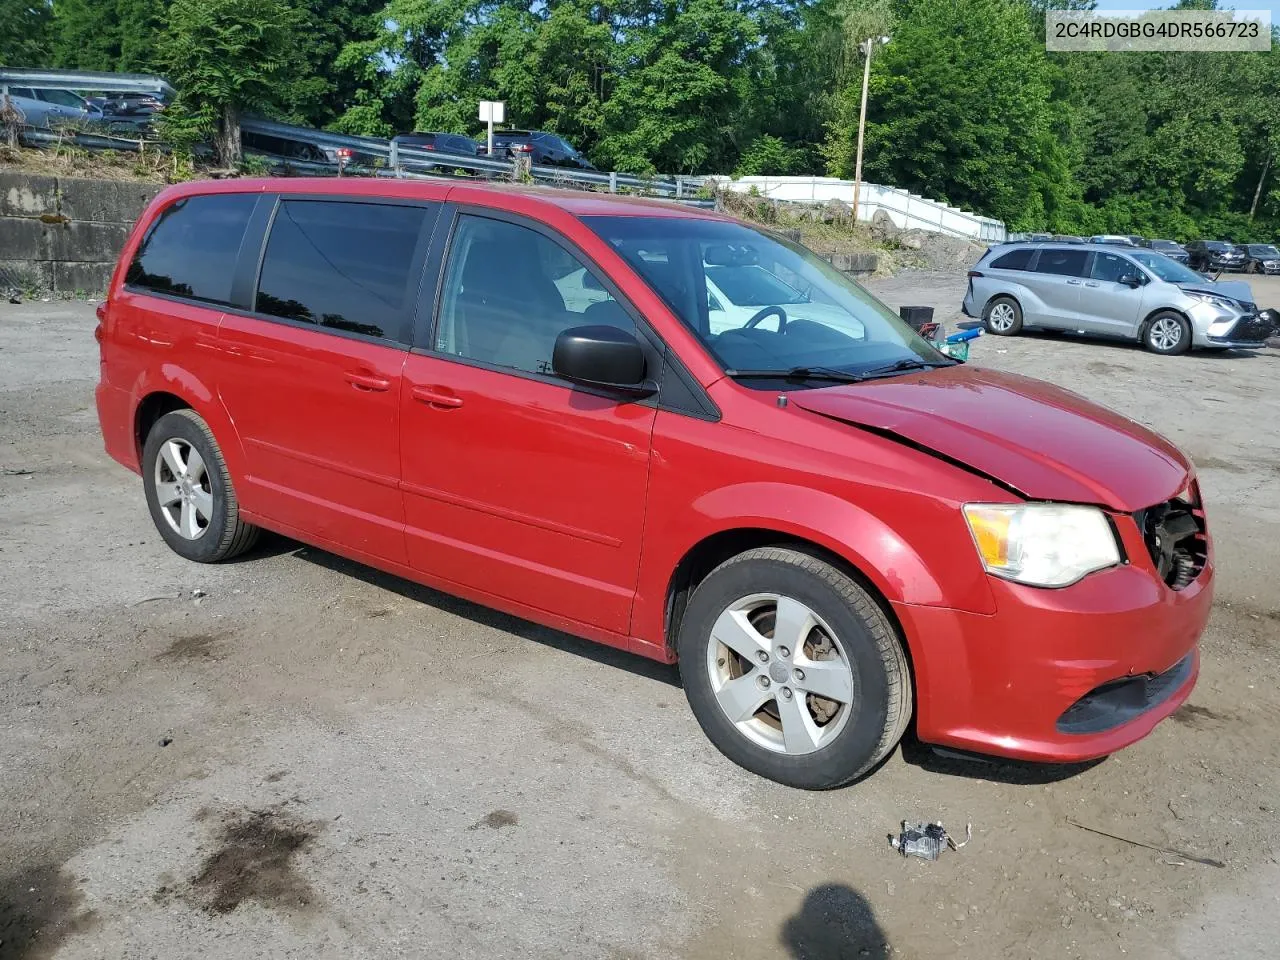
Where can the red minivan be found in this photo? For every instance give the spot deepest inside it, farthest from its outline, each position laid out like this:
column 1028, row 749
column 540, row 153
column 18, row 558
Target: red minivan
column 670, row 432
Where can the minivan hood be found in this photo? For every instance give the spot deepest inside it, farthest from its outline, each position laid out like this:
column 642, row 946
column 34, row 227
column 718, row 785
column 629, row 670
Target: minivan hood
column 1235, row 289
column 1044, row 442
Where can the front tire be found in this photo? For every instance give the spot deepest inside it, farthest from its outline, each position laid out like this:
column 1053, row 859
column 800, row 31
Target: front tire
column 1003, row 317
column 793, row 670
column 189, row 491
column 1167, row 333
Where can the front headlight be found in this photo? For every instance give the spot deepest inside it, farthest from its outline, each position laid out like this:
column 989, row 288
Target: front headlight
column 1042, row 544
column 1220, row 302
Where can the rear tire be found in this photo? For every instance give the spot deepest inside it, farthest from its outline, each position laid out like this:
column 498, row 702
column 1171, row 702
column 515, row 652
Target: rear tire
column 189, row 491
column 1002, row 317
column 794, row 624
column 1167, row 333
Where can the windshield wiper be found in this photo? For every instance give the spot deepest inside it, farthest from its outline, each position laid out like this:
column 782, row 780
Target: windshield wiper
column 798, row 373
column 905, row 364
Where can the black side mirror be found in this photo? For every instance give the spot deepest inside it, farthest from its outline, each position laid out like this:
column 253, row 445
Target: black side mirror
column 601, row 356
column 1131, row 279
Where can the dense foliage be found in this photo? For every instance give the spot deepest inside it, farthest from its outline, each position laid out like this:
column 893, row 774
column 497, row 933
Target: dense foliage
column 965, row 104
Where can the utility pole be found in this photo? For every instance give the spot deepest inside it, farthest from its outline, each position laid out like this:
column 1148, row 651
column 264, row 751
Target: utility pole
column 865, row 47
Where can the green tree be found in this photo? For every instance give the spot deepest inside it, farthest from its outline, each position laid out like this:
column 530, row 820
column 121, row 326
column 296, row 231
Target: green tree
column 227, row 57
column 25, row 33
column 86, row 34
column 960, row 111
column 109, row 35
column 678, row 86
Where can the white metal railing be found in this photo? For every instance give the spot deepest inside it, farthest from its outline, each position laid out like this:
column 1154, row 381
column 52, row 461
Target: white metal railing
column 83, row 80
column 907, row 210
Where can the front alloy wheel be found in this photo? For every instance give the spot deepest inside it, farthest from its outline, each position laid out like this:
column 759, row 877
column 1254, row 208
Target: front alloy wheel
column 793, row 669
column 1168, row 334
column 780, row 674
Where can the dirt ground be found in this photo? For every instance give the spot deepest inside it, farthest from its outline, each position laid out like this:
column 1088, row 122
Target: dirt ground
column 293, row 756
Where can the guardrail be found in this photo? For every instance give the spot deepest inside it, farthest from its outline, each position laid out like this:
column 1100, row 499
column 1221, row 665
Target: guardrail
column 84, row 80
column 907, row 210
column 404, row 161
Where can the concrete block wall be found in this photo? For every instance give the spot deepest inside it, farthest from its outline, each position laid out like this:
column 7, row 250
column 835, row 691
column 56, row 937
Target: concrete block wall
column 61, row 235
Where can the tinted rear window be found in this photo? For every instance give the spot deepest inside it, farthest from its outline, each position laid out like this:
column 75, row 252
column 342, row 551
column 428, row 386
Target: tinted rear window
column 1067, row 263
column 191, row 249
column 342, row 265
column 1014, row 260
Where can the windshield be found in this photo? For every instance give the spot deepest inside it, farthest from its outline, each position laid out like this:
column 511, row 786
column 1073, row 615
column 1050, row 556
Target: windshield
column 749, row 285
column 1164, row 245
column 1171, row 271
column 1263, row 250
column 798, row 312
column 1217, row 246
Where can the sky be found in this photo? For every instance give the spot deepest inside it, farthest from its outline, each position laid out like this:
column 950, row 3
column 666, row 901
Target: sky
column 1272, row 5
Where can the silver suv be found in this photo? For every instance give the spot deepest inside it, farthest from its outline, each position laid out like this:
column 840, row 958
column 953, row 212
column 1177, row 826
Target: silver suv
column 1133, row 293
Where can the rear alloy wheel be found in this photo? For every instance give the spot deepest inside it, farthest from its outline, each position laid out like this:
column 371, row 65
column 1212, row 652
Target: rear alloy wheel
column 793, row 670
column 1167, row 333
column 1003, row 317
column 189, row 491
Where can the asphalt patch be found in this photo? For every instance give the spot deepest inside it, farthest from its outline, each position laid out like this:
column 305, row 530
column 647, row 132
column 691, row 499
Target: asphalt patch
column 255, row 861
column 1192, row 715
column 496, row 820
column 39, row 909
column 200, row 646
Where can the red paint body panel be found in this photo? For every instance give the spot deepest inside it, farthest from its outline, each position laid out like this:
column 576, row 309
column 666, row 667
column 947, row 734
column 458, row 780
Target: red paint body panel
column 322, row 448
column 534, row 490
column 1046, row 442
column 575, row 510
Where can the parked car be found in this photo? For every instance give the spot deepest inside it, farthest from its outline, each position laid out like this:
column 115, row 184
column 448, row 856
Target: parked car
column 1213, row 255
column 840, row 532
column 1174, row 251
column 1131, row 293
column 1112, row 238
column 545, row 149
column 1066, row 238
column 454, row 143
column 286, row 148
column 1260, row 258
column 51, row 108
column 1037, row 237
column 1137, row 240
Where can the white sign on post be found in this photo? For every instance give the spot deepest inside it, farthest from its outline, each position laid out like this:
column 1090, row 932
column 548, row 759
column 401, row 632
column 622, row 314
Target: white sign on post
column 491, row 112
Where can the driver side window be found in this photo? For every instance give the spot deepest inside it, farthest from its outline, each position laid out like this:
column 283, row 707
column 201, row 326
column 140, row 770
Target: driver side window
column 510, row 291
column 1109, row 267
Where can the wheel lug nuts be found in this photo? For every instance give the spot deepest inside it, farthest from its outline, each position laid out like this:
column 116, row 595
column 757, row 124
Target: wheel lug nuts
column 764, row 683
column 798, row 674
column 786, row 693
column 783, row 652
column 762, row 657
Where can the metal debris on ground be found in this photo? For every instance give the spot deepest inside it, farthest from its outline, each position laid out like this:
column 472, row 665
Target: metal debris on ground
column 1167, row 851
column 927, row 840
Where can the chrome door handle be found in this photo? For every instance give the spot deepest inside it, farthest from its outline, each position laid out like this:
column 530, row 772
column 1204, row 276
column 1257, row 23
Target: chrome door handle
column 436, row 398
column 1091, row 283
column 1074, row 283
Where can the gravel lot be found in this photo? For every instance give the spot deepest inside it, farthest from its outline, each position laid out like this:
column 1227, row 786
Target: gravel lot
column 293, row 756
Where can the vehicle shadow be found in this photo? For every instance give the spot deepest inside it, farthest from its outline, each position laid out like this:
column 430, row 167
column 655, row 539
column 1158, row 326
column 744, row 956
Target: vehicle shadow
column 834, row 922
column 486, row 616
column 954, row 763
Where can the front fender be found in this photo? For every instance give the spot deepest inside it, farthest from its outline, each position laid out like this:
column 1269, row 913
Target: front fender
column 881, row 552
